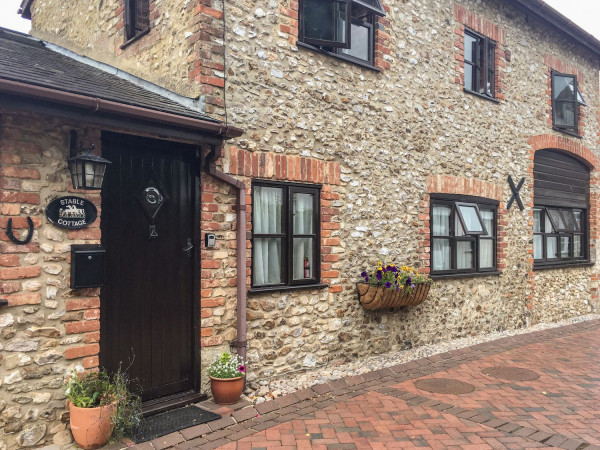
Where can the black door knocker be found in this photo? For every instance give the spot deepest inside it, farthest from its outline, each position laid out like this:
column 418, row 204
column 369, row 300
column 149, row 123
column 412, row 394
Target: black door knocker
column 11, row 236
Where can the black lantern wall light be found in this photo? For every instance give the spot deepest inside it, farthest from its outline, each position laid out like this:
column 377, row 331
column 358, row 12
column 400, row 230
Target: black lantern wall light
column 87, row 170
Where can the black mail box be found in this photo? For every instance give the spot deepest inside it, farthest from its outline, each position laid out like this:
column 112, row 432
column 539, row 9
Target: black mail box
column 87, row 266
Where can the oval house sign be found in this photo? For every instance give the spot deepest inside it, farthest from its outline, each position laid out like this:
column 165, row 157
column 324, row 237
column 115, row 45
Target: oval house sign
column 71, row 212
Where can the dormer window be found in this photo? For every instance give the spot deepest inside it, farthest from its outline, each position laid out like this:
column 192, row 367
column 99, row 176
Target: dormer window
column 342, row 27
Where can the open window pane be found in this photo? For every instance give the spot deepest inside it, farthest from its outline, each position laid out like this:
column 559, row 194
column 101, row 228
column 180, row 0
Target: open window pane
column 486, row 254
column 564, row 87
column 459, row 230
column 580, row 99
column 326, row 22
column 570, row 221
column 538, row 246
column 268, row 207
column 303, row 259
column 557, row 219
column 577, row 214
column 267, row 261
column 441, row 220
column 464, row 255
column 565, row 244
column 303, row 213
column 551, row 247
column 470, row 218
column 441, row 254
column 548, row 227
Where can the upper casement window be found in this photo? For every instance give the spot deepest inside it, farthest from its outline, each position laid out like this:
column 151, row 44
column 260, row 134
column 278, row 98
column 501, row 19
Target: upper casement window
column 137, row 18
column 480, row 64
column 345, row 28
column 566, row 99
column 285, row 235
column 463, row 235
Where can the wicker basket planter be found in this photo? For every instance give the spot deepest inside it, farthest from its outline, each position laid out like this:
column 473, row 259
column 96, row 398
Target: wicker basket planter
column 380, row 297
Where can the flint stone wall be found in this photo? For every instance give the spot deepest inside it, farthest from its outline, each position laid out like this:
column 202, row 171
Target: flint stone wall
column 389, row 132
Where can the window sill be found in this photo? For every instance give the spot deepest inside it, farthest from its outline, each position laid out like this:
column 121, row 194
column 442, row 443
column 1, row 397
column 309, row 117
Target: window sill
column 366, row 65
column 562, row 265
column 485, row 97
column 446, row 276
column 262, row 290
column 570, row 133
column 135, row 38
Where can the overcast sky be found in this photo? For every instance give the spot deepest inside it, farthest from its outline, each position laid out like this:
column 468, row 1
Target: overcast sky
column 585, row 13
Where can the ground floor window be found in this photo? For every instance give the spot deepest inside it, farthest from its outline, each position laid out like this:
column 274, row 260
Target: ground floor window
column 285, row 234
column 558, row 234
column 463, row 235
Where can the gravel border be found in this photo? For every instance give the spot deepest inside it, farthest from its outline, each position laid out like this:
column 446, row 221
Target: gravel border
column 303, row 379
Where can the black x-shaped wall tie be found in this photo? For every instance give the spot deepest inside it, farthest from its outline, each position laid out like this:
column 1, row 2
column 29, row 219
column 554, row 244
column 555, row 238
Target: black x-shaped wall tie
column 515, row 190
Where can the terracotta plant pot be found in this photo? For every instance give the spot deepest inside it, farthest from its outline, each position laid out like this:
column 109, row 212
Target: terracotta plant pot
column 380, row 297
column 92, row 427
column 226, row 391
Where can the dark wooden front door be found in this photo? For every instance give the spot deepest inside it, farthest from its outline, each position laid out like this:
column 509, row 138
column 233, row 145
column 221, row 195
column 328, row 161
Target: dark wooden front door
column 147, row 302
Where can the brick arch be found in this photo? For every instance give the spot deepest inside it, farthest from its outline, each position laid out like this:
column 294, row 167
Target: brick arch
column 569, row 145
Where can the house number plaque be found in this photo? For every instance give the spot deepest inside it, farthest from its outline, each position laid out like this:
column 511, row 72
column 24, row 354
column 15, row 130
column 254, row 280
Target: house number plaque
column 71, row 212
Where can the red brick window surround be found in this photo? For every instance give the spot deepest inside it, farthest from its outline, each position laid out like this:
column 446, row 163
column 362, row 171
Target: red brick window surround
column 446, row 184
column 298, row 169
column 469, row 21
column 553, row 63
column 380, row 58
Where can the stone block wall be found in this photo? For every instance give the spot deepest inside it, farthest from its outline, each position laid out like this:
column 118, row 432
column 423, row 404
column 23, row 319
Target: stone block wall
column 46, row 327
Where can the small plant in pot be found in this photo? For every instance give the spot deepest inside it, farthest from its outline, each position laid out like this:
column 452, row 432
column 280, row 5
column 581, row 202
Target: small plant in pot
column 101, row 406
column 227, row 375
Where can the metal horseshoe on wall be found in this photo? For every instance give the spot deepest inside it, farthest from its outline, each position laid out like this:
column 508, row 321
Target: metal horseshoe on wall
column 11, row 236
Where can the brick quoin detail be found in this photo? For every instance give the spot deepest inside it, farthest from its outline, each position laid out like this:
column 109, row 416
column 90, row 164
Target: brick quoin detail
column 575, row 149
column 447, row 184
column 553, row 63
column 383, row 46
column 217, row 291
column 206, row 62
column 467, row 19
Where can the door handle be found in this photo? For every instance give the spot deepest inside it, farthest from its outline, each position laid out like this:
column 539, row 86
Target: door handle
column 188, row 247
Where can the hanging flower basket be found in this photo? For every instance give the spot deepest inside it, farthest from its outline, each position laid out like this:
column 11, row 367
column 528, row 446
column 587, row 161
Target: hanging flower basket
column 380, row 297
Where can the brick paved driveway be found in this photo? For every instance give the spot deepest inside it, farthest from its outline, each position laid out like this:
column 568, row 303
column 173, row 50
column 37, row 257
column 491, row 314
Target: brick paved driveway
column 384, row 409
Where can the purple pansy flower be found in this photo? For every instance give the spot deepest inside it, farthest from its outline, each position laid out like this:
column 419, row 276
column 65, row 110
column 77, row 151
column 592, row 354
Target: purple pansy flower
column 364, row 274
column 388, row 285
column 408, row 281
column 379, row 275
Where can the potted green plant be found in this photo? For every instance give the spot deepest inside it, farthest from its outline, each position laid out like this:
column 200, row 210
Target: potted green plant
column 100, row 406
column 227, row 374
column 389, row 286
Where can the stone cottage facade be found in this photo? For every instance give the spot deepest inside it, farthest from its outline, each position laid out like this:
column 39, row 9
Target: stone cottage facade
column 392, row 142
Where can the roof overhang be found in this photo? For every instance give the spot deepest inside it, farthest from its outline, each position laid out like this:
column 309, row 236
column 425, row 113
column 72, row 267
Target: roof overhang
column 547, row 14
column 25, row 9
column 93, row 106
